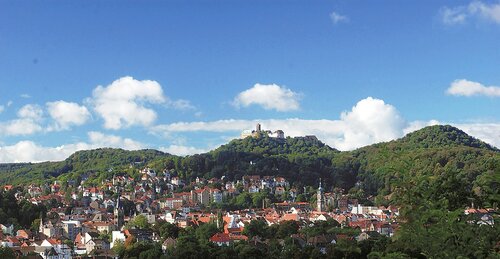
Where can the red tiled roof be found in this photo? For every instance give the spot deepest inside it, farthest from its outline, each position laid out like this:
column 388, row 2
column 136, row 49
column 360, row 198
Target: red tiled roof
column 220, row 238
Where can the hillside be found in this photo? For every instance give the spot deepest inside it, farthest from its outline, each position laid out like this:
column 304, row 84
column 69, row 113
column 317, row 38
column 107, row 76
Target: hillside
column 98, row 160
column 440, row 136
column 448, row 164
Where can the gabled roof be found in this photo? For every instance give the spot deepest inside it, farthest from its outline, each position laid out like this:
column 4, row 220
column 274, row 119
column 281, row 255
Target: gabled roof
column 220, row 238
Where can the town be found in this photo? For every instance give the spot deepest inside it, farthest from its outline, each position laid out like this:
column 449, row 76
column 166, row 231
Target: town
column 92, row 220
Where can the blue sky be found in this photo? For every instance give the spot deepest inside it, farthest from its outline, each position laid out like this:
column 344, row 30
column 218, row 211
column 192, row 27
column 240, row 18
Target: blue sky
column 191, row 75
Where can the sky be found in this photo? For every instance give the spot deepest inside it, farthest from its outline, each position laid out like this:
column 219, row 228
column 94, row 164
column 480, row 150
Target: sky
column 185, row 77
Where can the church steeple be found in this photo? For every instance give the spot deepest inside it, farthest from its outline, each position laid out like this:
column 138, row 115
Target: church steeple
column 320, row 199
column 118, row 214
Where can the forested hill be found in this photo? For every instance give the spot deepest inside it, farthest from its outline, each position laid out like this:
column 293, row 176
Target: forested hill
column 435, row 163
column 266, row 146
column 87, row 161
column 446, row 162
column 440, row 136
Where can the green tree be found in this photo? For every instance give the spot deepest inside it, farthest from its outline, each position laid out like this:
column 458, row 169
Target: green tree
column 256, row 228
column 139, row 222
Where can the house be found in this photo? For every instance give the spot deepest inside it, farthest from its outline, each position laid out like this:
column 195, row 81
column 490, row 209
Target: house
column 52, row 248
column 220, row 239
column 96, row 244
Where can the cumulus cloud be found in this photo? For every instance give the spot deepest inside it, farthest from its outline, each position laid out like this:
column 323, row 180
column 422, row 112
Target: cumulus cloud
column 270, row 97
column 370, row 121
column 464, row 87
column 30, row 111
column 337, row 18
column 182, row 150
column 67, row 114
column 29, row 151
column 124, row 102
column 476, row 9
column 25, row 96
column 23, row 126
column 27, row 123
column 2, row 108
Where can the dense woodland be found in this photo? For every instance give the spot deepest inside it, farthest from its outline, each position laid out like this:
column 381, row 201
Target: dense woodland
column 431, row 174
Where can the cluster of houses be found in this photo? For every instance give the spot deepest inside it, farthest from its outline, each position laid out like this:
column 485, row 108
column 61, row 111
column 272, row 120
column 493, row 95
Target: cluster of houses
column 98, row 215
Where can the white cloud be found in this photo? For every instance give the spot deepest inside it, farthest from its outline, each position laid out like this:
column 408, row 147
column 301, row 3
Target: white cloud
column 370, row 121
column 67, row 114
column 27, row 123
column 181, row 150
column 181, row 104
column 9, row 103
column 337, row 18
column 99, row 139
column 455, row 15
column 23, row 126
column 490, row 12
column 30, row 111
column 124, row 102
column 25, row 96
column 476, row 9
column 270, row 97
column 2, row 108
column 29, row 151
column 464, row 87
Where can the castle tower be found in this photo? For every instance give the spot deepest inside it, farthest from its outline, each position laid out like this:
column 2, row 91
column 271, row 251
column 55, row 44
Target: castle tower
column 258, row 127
column 320, row 199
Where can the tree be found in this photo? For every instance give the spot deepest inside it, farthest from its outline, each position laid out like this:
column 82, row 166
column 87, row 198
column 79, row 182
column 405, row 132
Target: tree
column 139, row 222
column 205, row 231
column 256, row 228
column 167, row 230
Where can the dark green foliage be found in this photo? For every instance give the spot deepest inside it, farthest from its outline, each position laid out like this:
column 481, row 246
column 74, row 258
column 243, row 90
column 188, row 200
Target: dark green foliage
column 22, row 214
column 256, row 228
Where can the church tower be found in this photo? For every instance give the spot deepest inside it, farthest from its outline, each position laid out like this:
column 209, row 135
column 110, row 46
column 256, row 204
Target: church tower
column 118, row 213
column 320, row 199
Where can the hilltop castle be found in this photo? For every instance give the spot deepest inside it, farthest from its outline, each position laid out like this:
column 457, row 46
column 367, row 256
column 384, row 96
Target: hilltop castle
column 259, row 132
